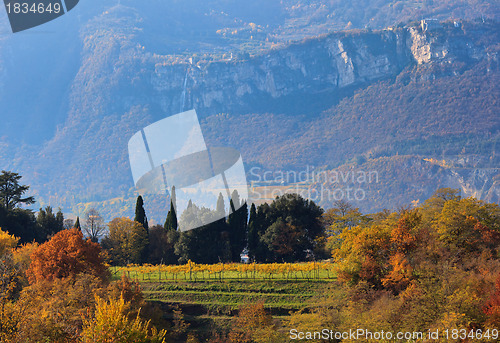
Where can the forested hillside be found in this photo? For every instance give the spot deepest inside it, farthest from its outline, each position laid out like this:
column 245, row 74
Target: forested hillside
column 278, row 85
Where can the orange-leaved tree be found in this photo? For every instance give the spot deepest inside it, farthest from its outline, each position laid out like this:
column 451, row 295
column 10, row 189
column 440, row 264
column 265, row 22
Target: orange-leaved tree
column 65, row 255
column 492, row 307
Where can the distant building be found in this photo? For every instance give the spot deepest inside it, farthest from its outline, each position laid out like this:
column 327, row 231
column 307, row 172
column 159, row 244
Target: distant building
column 430, row 24
column 244, row 256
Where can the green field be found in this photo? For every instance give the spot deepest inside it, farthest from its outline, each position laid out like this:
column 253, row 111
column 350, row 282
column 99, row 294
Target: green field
column 215, row 300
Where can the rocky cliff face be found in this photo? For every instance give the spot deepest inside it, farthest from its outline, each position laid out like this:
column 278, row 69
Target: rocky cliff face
column 326, row 64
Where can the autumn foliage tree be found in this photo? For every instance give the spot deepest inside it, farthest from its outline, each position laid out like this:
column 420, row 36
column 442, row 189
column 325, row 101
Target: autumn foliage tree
column 126, row 242
column 65, row 255
column 492, row 306
column 111, row 324
column 253, row 324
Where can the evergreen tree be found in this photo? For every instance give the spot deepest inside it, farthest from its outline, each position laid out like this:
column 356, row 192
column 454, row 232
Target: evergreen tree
column 221, row 207
column 60, row 220
column 237, row 226
column 219, row 232
column 49, row 223
column 140, row 213
column 17, row 221
column 77, row 224
column 253, row 234
column 261, row 223
column 209, row 243
column 11, row 192
column 142, row 235
column 171, row 221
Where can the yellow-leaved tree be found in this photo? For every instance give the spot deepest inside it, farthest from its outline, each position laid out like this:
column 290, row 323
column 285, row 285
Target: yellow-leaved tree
column 253, row 324
column 7, row 242
column 111, row 324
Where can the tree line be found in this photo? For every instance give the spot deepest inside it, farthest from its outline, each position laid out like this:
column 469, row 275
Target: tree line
column 433, row 266
column 290, row 229
column 287, row 230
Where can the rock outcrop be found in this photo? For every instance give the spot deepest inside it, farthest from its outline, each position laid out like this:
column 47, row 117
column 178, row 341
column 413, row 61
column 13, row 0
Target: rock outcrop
column 325, row 64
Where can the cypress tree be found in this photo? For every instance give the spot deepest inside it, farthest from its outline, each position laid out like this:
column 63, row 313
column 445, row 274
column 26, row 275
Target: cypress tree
column 253, row 234
column 237, row 223
column 143, row 236
column 77, row 224
column 171, row 221
column 140, row 213
column 221, row 207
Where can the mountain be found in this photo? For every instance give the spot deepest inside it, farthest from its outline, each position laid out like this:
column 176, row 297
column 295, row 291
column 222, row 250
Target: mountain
column 294, row 94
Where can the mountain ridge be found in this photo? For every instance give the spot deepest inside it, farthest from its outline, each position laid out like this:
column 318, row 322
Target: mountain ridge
column 122, row 85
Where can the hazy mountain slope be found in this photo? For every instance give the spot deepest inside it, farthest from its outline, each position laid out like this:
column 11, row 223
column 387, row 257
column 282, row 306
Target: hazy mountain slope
column 35, row 92
column 323, row 101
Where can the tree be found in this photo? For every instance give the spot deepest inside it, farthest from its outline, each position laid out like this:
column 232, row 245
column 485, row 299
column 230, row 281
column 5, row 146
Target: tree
column 492, row 306
column 11, row 192
column 284, row 241
column 68, row 224
column 49, row 222
column 207, row 243
column 94, row 225
column 162, row 245
column 237, row 226
column 468, row 226
column 17, row 221
column 435, row 203
column 171, row 221
column 7, row 242
column 111, row 324
column 77, row 224
column 253, row 324
column 140, row 213
column 342, row 216
column 65, row 255
column 252, row 234
column 126, row 241
column 21, row 223
column 301, row 216
column 261, row 223
column 140, row 217
column 220, row 210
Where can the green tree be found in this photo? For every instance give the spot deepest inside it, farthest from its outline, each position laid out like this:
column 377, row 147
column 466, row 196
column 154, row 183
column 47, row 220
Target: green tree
column 77, row 224
column 21, row 223
column 171, row 221
column 17, row 221
column 140, row 213
column 284, row 242
column 11, row 192
column 140, row 217
column 300, row 216
column 207, row 243
column 237, row 226
column 49, row 223
column 252, row 234
column 161, row 248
